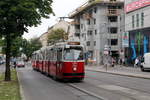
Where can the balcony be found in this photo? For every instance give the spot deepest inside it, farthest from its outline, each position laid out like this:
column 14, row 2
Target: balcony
column 114, row 48
column 75, row 22
column 77, row 31
column 112, row 12
column 87, row 16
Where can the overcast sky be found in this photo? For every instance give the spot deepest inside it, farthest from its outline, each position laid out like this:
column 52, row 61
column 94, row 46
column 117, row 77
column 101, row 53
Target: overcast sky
column 61, row 8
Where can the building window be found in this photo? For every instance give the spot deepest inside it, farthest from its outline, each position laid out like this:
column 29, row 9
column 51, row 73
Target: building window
column 95, row 32
column 113, row 19
column 137, row 20
column 94, row 43
column 132, row 21
column 94, row 21
column 114, row 41
column 95, row 10
column 88, row 43
column 142, row 19
column 77, row 34
column 90, row 32
column 88, row 22
column 113, row 30
column 82, row 35
column 112, row 0
column 119, row 7
column 81, row 26
column 77, row 27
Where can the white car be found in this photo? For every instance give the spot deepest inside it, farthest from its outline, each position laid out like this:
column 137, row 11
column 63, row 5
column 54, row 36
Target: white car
column 145, row 65
column 20, row 64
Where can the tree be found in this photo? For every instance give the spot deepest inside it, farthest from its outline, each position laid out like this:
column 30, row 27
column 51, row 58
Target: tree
column 16, row 16
column 1, row 44
column 57, row 35
column 15, row 47
column 31, row 46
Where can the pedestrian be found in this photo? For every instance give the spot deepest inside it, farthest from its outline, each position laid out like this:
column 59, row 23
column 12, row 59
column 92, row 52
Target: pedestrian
column 120, row 61
column 113, row 62
column 123, row 61
column 14, row 63
column 136, row 62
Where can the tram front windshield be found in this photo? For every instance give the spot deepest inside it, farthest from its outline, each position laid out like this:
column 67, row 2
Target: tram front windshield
column 73, row 53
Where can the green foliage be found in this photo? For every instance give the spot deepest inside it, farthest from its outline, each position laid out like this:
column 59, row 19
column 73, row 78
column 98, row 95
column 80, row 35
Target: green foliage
column 31, row 46
column 17, row 15
column 10, row 90
column 17, row 45
column 57, row 35
column 1, row 42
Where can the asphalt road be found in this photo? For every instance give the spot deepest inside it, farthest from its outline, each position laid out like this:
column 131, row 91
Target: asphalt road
column 36, row 86
column 116, row 87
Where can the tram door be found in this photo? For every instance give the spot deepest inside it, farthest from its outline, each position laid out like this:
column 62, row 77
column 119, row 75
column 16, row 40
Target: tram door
column 59, row 62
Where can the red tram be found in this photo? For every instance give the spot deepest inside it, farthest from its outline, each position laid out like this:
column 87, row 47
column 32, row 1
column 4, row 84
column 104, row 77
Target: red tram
column 61, row 61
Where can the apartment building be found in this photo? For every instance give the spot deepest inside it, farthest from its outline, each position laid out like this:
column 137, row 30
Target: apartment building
column 61, row 24
column 99, row 24
column 137, row 25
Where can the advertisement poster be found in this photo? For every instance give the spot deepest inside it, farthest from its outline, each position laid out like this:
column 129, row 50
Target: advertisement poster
column 125, row 39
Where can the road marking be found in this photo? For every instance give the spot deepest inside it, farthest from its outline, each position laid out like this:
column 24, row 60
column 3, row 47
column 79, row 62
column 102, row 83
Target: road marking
column 133, row 93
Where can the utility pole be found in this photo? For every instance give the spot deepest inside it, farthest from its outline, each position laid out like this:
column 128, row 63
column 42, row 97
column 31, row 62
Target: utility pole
column 109, row 38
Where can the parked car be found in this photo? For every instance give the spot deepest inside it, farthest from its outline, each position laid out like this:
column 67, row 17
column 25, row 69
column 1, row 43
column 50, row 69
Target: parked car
column 20, row 64
column 145, row 63
column 2, row 60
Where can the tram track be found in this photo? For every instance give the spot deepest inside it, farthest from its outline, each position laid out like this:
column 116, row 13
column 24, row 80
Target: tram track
column 118, row 85
column 86, row 91
column 98, row 96
column 87, row 76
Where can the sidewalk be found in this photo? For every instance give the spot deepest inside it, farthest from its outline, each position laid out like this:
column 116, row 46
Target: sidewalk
column 121, row 70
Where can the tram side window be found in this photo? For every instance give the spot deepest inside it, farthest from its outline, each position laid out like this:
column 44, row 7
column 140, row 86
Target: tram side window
column 59, row 55
column 49, row 55
column 53, row 55
column 40, row 57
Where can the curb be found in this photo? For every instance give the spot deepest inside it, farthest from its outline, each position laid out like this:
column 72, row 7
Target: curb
column 121, row 74
column 20, row 87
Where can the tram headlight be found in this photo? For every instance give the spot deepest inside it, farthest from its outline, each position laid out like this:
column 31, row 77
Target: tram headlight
column 74, row 69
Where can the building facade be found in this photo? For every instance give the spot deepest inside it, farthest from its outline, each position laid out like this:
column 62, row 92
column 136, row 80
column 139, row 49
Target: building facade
column 137, row 26
column 61, row 24
column 99, row 24
column 43, row 39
